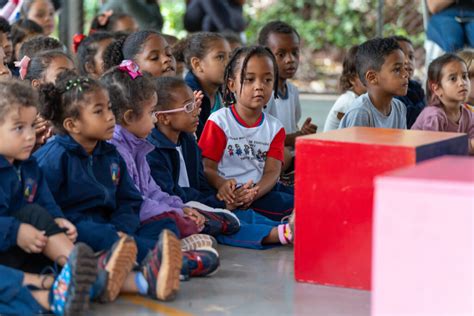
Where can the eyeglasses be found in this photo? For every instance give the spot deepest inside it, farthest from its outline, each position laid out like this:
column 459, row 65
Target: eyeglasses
column 188, row 108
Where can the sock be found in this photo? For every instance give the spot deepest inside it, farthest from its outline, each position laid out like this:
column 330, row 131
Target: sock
column 284, row 234
column 141, row 283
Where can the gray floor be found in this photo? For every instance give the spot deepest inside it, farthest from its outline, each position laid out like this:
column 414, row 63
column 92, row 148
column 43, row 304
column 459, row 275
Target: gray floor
column 253, row 282
column 249, row 282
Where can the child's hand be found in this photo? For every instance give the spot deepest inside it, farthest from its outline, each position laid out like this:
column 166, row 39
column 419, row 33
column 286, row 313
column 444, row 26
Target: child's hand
column 308, row 127
column 71, row 231
column 246, row 194
column 30, row 239
column 226, row 191
column 198, row 96
column 195, row 216
column 42, row 129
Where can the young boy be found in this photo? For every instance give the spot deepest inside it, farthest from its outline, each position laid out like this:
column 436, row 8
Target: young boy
column 380, row 63
column 284, row 42
column 414, row 100
column 176, row 165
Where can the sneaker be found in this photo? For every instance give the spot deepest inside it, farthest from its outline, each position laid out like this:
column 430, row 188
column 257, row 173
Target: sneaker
column 199, row 263
column 70, row 291
column 114, row 266
column 198, row 241
column 218, row 221
column 162, row 266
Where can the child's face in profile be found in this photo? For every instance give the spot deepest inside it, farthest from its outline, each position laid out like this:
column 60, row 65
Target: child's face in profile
column 156, row 57
column 257, row 85
column 4, row 70
column 17, row 133
column 57, row 65
column 42, row 12
column 6, row 44
column 182, row 121
column 409, row 52
column 393, row 75
column 454, row 87
column 214, row 62
column 96, row 70
column 141, row 126
column 96, row 120
column 286, row 48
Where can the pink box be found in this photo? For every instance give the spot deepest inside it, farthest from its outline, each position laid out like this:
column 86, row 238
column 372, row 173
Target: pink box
column 423, row 239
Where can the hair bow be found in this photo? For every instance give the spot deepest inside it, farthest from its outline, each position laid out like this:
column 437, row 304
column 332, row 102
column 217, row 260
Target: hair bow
column 77, row 40
column 23, row 65
column 131, row 68
column 76, row 83
column 103, row 19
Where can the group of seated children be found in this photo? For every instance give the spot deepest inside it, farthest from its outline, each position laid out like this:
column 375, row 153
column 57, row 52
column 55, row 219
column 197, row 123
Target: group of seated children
column 126, row 174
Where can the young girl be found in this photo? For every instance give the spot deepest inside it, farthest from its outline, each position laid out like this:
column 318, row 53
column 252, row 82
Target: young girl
column 173, row 138
column 448, row 88
column 148, row 49
column 133, row 99
column 45, row 67
column 468, row 56
column 90, row 53
column 206, row 55
column 113, row 22
column 22, row 30
column 350, row 85
column 40, row 11
column 38, row 44
column 240, row 144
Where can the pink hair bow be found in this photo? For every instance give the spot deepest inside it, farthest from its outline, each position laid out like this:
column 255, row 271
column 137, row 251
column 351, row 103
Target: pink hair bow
column 23, row 65
column 104, row 17
column 131, row 68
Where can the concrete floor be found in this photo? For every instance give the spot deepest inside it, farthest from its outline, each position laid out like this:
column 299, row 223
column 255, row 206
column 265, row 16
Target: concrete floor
column 249, row 282
column 253, row 282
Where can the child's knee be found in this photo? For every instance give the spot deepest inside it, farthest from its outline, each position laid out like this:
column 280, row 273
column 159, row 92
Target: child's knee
column 38, row 217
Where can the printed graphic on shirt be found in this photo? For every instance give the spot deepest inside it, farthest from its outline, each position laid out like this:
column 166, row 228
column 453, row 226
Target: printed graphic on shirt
column 115, row 172
column 230, row 150
column 249, row 146
column 30, row 190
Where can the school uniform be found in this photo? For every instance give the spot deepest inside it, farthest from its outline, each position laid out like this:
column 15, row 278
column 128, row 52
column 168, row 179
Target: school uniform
column 241, row 151
column 96, row 193
column 24, row 198
column 166, row 169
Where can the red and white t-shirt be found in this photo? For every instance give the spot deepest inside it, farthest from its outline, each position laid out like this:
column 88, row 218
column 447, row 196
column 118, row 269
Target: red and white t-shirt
column 240, row 149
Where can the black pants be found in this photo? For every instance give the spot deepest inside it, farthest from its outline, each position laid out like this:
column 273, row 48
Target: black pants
column 16, row 257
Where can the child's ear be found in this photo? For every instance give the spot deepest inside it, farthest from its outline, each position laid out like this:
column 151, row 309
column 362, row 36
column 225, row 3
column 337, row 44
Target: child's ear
column 436, row 88
column 90, row 69
column 128, row 117
column 35, row 83
column 70, row 125
column 231, row 84
column 371, row 77
column 196, row 64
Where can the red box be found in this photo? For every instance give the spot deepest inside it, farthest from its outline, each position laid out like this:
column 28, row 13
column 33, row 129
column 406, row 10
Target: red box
column 334, row 195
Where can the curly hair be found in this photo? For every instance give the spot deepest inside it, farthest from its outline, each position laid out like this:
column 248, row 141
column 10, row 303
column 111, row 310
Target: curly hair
column 15, row 94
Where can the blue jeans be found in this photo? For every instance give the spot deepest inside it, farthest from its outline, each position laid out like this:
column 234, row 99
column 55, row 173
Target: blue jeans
column 16, row 299
column 449, row 34
column 253, row 229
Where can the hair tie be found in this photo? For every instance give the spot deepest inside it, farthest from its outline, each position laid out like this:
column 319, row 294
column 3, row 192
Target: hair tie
column 131, row 68
column 23, row 65
column 77, row 40
column 103, row 19
column 73, row 83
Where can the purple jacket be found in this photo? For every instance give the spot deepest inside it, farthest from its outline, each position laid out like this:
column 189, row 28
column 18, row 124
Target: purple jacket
column 134, row 151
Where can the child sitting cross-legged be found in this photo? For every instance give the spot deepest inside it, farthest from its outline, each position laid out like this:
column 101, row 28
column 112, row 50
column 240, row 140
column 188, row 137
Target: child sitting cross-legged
column 176, row 165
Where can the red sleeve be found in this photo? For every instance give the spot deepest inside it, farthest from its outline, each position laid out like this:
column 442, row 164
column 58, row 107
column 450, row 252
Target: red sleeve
column 212, row 141
column 277, row 146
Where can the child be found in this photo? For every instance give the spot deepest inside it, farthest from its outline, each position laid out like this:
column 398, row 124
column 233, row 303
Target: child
column 22, row 30
column 352, row 87
column 206, row 55
column 5, row 39
column 240, row 144
column 174, row 141
column 90, row 53
column 4, row 70
column 38, row 44
column 380, row 63
column 113, row 22
column 41, row 12
column 45, row 67
column 284, row 42
column 146, row 48
column 448, row 88
column 468, row 56
column 414, row 100
column 28, row 294
column 133, row 99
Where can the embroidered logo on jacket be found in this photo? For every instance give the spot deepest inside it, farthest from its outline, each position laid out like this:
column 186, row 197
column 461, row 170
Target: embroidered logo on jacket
column 30, row 190
column 115, row 172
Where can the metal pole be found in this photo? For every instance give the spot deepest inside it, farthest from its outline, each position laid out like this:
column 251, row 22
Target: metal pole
column 71, row 20
column 380, row 20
